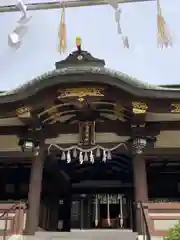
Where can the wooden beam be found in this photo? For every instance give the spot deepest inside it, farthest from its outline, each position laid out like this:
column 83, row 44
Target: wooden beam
column 156, row 152
column 57, row 5
column 121, row 128
column 53, row 130
column 15, row 156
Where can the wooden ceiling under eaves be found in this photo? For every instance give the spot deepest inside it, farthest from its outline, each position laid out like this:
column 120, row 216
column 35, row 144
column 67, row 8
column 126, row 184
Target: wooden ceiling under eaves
column 113, row 110
column 72, row 103
column 60, row 109
column 98, row 98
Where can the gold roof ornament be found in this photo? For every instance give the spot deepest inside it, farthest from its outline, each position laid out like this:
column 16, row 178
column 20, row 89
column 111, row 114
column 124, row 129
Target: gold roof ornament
column 139, row 107
column 24, row 111
column 81, row 92
column 175, row 108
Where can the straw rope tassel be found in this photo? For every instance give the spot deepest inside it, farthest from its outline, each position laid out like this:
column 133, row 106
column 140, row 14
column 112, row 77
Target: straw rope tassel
column 62, row 33
column 163, row 35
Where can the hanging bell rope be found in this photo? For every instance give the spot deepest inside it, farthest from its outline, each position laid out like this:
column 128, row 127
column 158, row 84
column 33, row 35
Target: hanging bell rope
column 62, row 35
column 163, row 35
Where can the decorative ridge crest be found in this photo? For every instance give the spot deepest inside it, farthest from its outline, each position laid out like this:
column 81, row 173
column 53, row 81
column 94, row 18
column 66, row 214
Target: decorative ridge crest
column 80, row 58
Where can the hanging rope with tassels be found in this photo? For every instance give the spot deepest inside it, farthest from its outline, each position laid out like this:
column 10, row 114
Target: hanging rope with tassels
column 62, row 33
column 163, row 35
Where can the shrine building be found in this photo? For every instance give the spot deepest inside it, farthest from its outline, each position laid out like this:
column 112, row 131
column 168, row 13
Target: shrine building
column 87, row 147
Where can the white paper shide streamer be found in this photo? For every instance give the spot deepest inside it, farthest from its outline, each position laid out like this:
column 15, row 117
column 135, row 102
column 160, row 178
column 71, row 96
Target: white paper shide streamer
column 16, row 36
column 85, row 155
column 117, row 13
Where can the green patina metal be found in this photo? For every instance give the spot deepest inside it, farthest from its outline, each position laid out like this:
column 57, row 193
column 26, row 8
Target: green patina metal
column 117, row 76
column 89, row 65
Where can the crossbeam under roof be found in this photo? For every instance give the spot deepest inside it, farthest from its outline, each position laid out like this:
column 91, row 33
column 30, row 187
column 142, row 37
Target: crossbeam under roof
column 68, row 4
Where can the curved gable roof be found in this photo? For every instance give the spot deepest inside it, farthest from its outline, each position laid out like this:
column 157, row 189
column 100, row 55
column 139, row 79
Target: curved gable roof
column 84, row 63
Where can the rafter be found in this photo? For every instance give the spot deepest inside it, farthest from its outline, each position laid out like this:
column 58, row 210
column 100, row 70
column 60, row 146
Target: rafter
column 56, row 4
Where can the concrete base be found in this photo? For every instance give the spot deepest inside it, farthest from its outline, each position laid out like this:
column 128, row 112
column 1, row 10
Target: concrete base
column 24, row 237
column 84, row 234
column 100, row 234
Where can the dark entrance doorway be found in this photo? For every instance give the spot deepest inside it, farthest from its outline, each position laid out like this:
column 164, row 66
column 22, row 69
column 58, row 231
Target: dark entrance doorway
column 98, row 195
column 101, row 211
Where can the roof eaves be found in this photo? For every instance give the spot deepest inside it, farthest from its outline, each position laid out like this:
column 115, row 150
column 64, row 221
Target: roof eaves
column 89, row 69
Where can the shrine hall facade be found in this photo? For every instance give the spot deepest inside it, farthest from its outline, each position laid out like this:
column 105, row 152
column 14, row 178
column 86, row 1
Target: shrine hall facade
column 84, row 146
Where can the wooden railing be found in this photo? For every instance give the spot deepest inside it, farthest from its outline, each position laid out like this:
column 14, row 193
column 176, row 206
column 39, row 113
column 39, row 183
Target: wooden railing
column 12, row 219
column 161, row 216
column 144, row 224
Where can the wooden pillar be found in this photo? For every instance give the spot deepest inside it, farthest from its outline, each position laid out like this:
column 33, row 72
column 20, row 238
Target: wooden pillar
column 67, row 203
column 140, row 186
column 53, row 213
column 34, row 195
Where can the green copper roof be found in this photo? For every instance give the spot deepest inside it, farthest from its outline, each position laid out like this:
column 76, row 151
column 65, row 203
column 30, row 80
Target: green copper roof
column 81, row 62
column 44, row 79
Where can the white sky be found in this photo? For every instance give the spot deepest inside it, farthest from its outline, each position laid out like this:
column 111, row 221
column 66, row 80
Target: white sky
column 97, row 28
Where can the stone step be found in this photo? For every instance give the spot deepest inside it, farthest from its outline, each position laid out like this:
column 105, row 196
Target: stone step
column 94, row 234
column 140, row 237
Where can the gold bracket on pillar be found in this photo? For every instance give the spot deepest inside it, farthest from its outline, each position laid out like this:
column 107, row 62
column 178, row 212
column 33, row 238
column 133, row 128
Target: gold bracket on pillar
column 87, row 133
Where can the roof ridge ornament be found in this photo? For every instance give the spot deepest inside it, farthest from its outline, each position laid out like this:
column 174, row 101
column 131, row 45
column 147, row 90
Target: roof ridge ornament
column 79, row 58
